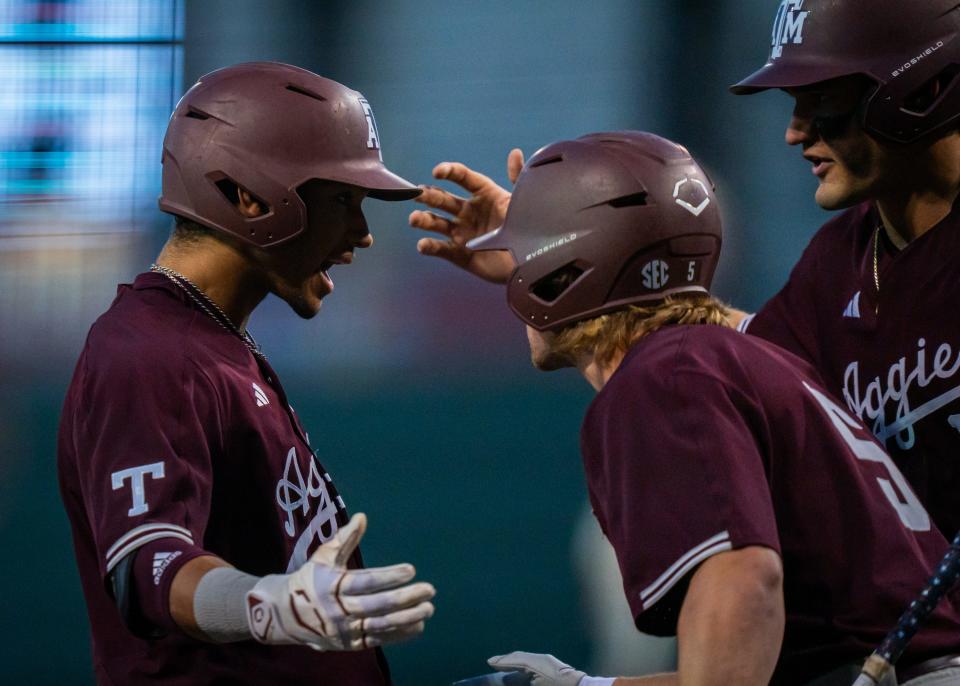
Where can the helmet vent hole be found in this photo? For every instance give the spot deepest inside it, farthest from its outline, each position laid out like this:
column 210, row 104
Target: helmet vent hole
column 304, row 91
column 924, row 98
column 554, row 284
column 632, row 200
column 196, row 114
column 549, row 160
column 231, row 191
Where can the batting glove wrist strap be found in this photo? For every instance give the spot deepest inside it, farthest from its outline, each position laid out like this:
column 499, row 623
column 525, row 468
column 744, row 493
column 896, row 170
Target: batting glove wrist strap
column 328, row 607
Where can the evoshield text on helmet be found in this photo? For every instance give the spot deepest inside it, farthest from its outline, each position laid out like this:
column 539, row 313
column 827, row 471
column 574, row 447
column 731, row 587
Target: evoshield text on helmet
column 605, row 221
column 268, row 128
column 904, row 46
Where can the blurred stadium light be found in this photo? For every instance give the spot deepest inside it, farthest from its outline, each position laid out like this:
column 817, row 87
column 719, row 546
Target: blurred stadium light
column 88, row 87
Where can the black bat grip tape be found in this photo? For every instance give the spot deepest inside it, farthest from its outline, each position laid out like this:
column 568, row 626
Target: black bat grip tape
column 947, row 574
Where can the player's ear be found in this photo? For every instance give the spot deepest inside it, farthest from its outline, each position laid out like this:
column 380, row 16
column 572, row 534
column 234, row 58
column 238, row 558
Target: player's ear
column 248, row 205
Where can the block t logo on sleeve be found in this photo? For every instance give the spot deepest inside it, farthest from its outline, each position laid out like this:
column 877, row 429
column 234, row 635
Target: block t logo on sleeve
column 788, row 26
column 136, row 477
column 373, row 135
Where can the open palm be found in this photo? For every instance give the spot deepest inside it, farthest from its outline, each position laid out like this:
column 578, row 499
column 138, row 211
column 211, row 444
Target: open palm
column 468, row 218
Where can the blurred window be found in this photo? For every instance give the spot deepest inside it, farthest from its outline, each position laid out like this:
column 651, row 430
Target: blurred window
column 88, row 86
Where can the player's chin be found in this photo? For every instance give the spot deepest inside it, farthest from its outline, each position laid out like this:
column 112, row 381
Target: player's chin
column 549, row 361
column 305, row 309
column 307, row 300
column 838, row 194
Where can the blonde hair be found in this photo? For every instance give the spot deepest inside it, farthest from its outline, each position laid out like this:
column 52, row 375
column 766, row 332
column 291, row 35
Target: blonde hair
column 609, row 335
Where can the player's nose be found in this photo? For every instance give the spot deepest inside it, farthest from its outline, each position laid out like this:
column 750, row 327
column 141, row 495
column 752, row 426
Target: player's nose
column 359, row 233
column 799, row 131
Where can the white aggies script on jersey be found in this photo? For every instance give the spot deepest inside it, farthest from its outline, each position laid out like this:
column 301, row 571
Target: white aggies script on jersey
column 869, row 401
column 294, row 493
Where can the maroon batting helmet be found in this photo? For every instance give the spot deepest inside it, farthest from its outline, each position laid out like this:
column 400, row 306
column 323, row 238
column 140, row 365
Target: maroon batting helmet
column 605, row 221
column 902, row 45
column 268, row 128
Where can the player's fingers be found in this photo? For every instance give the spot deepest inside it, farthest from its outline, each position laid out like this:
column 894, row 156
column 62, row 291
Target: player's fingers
column 447, row 250
column 385, row 602
column 396, row 621
column 439, row 199
column 336, row 552
column 428, row 221
column 349, row 538
column 520, row 660
column 372, row 579
column 514, row 164
column 463, row 176
column 405, row 634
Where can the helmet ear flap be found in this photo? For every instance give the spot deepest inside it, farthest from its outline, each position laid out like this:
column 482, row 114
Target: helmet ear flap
column 557, row 282
column 231, row 191
column 932, row 93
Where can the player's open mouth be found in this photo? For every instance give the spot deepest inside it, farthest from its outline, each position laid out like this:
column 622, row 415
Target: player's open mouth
column 821, row 165
column 327, row 265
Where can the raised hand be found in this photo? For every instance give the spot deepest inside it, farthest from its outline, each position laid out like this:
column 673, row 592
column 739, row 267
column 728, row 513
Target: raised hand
column 328, row 607
column 482, row 212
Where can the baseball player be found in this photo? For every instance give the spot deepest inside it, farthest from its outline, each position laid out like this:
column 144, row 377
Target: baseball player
column 212, row 545
column 869, row 304
column 751, row 514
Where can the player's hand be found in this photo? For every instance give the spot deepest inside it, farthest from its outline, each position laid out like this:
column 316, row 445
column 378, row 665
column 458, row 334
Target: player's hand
column 328, row 607
column 468, row 218
column 544, row 670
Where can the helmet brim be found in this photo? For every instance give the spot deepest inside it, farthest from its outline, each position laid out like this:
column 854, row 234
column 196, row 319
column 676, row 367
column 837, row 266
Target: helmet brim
column 787, row 74
column 383, row 184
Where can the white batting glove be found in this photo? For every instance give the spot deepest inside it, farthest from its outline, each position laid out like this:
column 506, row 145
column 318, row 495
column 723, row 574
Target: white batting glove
column 545, row 670
column 328, row 607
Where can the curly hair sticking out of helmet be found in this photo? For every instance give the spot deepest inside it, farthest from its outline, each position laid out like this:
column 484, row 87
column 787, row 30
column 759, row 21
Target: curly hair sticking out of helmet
column 608, row 336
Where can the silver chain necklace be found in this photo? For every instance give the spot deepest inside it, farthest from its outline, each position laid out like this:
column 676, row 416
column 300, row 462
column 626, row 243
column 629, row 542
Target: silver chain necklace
column 204, row 302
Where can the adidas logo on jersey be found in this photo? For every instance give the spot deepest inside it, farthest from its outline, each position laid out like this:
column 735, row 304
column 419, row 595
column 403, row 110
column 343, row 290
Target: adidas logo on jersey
column 260, row 396
column 160, row 563
column 853, row 307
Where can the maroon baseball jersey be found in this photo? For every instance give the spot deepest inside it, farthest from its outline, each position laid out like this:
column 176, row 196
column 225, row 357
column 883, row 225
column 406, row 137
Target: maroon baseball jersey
column 174, row 434
column 893, row 356
column 705, row 440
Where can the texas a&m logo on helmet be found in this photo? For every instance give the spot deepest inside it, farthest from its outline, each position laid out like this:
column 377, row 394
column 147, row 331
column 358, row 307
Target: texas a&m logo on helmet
column 788, row 26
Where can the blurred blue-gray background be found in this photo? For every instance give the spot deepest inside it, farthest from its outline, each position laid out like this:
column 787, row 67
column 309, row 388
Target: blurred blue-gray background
column 415, row 378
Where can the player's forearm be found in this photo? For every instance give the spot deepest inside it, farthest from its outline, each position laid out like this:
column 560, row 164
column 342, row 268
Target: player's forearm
column 654, row 680
column 731, row 625
column 183, row 593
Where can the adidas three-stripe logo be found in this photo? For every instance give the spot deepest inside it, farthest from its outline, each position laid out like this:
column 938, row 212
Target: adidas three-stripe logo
column 853, row 307
column 160, row 562
column 260, row 396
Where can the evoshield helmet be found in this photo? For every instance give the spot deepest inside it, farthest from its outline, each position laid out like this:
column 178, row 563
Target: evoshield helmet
column 901, row 45
column 268, row 128
column 605, row 221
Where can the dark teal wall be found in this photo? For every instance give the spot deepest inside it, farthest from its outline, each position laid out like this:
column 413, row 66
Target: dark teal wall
column 475, row 482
